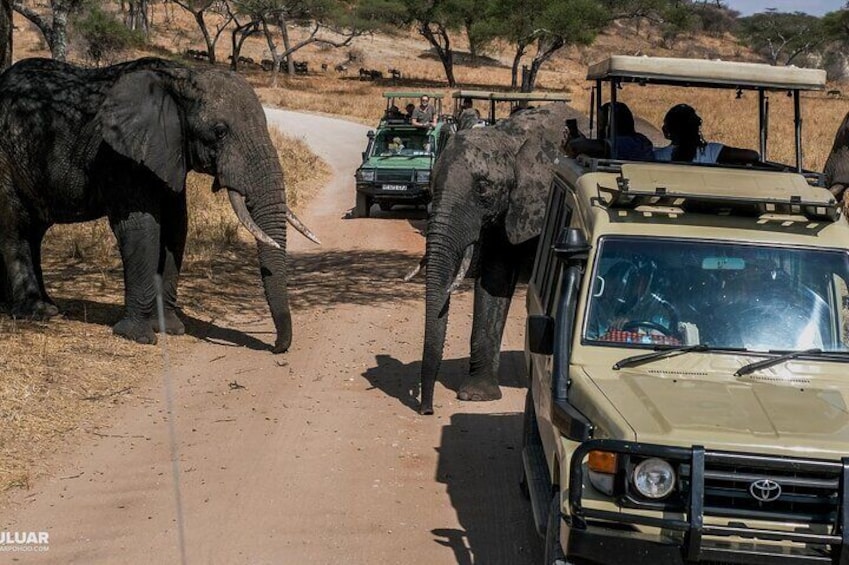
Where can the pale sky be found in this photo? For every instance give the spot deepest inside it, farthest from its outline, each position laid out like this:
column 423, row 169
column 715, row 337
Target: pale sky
column 815, row 7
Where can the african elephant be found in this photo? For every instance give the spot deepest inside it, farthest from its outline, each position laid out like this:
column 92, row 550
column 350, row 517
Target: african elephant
column 490, row 190
column 80, row 144
column 836, row 168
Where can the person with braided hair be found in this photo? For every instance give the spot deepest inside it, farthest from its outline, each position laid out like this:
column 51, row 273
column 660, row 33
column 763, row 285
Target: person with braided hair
column 682, row 127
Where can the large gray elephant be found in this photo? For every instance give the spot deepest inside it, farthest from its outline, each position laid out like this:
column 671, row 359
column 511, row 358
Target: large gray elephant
column 79, row 144
column 836, row 168
column 490, row 191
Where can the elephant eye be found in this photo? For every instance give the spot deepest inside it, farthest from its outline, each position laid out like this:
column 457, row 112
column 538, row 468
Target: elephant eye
column 220, row 130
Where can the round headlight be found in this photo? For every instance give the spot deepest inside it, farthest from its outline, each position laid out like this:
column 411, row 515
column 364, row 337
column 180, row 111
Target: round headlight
column 654, row 478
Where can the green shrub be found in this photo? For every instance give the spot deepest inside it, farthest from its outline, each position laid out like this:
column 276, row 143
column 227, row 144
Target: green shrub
column 104, row 36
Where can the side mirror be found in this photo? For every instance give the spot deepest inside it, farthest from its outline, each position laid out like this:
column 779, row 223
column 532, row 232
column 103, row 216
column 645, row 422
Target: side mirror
column 540, row 334
column 571, row 245
column 370, row 134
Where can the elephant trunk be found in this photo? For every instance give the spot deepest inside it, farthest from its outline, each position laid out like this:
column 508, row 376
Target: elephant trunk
column 448, row 260
column 270, row 218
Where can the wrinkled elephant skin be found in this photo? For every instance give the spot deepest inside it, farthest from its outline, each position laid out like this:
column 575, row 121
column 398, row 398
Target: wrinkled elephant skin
column 836, row 168
column 490, row 191
column 80, row 144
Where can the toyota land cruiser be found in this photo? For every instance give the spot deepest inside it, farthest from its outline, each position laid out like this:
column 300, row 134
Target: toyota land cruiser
column 687, row 350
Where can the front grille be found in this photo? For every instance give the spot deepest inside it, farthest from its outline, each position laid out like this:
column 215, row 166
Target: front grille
column 810, row 496
column 395, row 175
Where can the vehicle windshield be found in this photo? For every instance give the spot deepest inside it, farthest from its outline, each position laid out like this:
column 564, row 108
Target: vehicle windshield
column 649, row 291
column 406, row 143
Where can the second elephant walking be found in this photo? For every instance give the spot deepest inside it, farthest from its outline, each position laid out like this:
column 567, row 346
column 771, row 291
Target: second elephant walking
column 490, row 191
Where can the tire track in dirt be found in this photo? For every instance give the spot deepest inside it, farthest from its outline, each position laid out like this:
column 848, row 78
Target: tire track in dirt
column 316, row 455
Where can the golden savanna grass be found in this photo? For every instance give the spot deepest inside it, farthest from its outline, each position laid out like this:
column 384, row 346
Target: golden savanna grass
column 58, row 377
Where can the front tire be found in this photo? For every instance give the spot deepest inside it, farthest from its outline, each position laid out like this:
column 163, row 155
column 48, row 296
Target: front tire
column 553, row 552
column 363, row 206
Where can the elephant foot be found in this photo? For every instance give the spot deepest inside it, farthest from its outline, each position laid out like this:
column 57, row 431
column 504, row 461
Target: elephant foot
column 426, row 409
column 135, row 329
column 173, row 324
column 479, row 391
column 35, row 310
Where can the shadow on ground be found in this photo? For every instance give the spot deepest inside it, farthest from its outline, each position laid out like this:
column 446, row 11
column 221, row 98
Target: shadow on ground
column 401, row 380
column 213, row 291
column 480, row 463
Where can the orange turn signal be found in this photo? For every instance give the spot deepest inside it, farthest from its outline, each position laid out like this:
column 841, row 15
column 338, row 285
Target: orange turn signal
column 602, row 462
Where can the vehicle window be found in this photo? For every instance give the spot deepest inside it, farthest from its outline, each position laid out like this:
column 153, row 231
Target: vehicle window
column 724, row 295
column 407, row 143
column 545, row 270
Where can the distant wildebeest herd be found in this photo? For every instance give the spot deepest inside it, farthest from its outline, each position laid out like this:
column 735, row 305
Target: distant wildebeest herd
column 300, row 67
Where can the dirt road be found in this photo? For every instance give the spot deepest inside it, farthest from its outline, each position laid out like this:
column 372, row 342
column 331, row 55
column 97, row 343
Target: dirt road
column 315, row 456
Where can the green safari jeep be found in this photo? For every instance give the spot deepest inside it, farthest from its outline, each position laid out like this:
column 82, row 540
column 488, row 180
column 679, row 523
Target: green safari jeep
column 399, row 156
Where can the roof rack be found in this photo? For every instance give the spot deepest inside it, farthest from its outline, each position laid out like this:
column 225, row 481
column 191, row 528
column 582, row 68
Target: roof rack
column 716, row 192
column 705, row 73
column 412, row 94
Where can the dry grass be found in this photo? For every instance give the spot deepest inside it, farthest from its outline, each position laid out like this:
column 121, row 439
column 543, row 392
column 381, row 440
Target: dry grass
column 63, row 376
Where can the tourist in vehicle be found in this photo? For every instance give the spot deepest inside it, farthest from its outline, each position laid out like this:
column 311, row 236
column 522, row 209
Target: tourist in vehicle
column 424, row 116
column 682, row 127
column 630, row 144
column 469, row 116
column 393, row 113
column 408, row 111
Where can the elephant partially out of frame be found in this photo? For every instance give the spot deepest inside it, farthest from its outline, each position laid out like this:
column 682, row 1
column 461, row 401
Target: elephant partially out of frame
column 79, row 144
column 490, row 191
column 836, row 170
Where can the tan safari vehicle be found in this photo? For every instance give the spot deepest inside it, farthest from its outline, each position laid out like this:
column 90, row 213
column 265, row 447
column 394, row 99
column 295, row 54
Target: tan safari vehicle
column 687, row 350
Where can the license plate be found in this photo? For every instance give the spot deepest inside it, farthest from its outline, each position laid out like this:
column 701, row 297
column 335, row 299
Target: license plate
column 395, row 187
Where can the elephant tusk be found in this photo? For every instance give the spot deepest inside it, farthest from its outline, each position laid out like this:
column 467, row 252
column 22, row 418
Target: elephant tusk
column 464, row 268
column 416, row 270
column 237, row 201
column 299, row 225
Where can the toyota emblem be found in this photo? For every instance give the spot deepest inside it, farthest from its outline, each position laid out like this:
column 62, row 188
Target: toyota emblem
column 765, row 490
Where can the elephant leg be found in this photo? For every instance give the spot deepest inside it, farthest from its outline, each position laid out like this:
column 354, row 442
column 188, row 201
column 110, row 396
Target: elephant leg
column 35, row 239
column 22, row 274
column 138, row 235
column 493, row 292
column 174, row 228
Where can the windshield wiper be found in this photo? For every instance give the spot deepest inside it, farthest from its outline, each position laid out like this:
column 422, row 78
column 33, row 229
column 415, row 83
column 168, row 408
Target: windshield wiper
column 765, row 363
column 635, row 360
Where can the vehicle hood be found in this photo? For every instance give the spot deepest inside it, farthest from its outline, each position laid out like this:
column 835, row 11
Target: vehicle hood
column 779, row 411
column 399, row 162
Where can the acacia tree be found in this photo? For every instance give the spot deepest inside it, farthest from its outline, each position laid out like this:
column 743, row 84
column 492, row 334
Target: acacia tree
column 435, row 20
column 200, row 10
column 333, row 23
column 545, row 26
column 136, row 15
column 782, row 37
column 52, row 22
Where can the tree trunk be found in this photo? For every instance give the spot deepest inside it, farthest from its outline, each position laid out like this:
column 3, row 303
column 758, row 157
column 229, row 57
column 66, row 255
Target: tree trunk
column 210, row 44
column 514, row 70
column 272, row 48
column 442, row 43
column 59, row 46
column 5, row 34
column 237, row 39
column 546, row 48
column 287, row 45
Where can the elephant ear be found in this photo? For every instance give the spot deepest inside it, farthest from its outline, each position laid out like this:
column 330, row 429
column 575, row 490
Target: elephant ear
column 141, row 120
column 526, row 209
